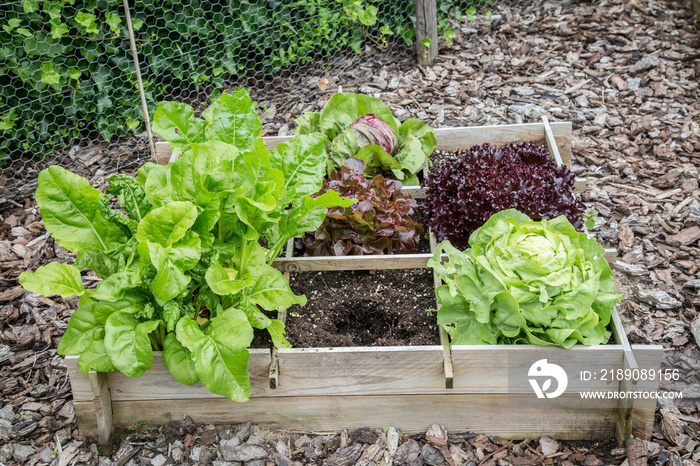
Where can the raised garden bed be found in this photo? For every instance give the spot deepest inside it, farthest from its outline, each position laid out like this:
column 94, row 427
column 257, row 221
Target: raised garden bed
column 464, row 388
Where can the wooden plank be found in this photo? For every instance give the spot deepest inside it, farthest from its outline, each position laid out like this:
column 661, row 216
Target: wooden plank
column 416, row 192
column 643, row 409
column 361, row 370
column 489, row 414
column 157, row 383
column 374, row 262
column 450, row 139
column 620, row 337
column 102, row 403
column 448, row 369
column 164, row 151
column 426, row 28
column 504, row 368
column 386, row 261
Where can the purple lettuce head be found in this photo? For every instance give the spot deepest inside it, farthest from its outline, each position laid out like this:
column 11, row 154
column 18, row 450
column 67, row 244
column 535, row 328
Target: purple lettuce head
column 369, row 129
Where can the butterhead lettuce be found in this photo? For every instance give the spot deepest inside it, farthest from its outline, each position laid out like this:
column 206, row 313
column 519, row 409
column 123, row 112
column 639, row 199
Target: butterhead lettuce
column 524, row 281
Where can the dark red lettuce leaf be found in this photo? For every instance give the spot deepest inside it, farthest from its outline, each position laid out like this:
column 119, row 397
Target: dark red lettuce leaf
column 465, row 190
column 379, row 223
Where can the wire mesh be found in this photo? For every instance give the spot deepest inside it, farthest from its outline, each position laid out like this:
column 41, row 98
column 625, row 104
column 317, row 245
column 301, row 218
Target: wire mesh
column 68, row 90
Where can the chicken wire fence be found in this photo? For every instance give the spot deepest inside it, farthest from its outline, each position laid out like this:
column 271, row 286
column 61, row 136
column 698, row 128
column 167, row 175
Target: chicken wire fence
column 69, row 92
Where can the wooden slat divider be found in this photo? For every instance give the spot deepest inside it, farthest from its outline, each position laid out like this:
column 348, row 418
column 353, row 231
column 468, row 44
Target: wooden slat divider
column 551, row 142
column 378, row 262
column 281, row 316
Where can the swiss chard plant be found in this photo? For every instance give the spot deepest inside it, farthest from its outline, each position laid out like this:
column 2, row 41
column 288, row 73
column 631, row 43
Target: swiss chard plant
column 464, row 190
column 181, row 260
column 362, row 126
column 379, row 223
column 523, row 281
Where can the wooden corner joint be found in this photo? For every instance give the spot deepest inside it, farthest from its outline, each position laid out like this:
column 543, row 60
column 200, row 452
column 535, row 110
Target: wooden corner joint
column 103, row 409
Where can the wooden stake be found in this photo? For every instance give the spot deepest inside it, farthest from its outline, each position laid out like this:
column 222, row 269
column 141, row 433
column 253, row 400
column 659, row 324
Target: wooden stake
column 103, row 409
column 142, row 93
column 426, row 28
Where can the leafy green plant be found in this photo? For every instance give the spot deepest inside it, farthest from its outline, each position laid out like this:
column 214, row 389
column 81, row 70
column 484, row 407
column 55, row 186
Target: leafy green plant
column 466, row 189
column 401, row 150
column 181, row 262
column 379, row 223
column 522, row 281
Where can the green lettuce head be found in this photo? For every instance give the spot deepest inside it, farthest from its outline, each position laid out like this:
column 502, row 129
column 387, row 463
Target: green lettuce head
column 522, row 281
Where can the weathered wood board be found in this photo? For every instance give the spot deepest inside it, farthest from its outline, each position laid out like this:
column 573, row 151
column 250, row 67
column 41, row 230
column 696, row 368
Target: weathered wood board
column 449, row 139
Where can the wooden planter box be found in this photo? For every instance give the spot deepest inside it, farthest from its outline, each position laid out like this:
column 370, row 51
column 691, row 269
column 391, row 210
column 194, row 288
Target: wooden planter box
column 465, row 388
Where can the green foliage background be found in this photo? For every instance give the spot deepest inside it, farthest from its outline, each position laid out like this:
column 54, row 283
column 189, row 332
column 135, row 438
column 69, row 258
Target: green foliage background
column 66, row 69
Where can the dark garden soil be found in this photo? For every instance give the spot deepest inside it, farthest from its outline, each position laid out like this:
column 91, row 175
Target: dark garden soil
column 360, row 308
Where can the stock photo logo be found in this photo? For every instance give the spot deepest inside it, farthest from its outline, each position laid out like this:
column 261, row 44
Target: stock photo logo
column 543, row 372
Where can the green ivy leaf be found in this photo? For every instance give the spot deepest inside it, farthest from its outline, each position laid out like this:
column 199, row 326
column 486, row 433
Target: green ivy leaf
column 113, row 21
column 136, row 23
column 58, row 28
column 25, row 32
column 87, row 20
column 30, row 6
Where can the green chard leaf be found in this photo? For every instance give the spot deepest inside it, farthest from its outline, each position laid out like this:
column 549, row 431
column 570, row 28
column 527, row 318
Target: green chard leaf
column 232, row 119
column 179, row 360
column 128, row 344
column 223, row 280
column 54, row 278
column 301, row 160
column 95, row 358
column 168, row 224
column 72, row 212
column 131, row 196
column 220, row 354
column 88, row 321
column 271, row 290
column 176, row 123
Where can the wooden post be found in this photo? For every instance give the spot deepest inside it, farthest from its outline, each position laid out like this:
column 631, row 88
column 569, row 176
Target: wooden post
column 137, row 69
column 103, row 409
column 426, row 28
